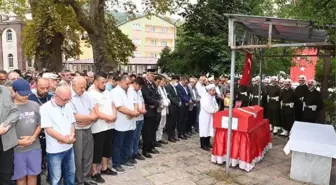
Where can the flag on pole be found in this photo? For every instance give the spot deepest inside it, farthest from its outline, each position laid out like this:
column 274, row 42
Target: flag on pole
column 245, row 80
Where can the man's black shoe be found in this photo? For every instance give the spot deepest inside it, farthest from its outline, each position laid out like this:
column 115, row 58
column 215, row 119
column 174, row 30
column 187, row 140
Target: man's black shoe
column 157, row 144
column 146, row 154
column 182, row 137
column 90, row 183
column 172, row 140
column 139, row 157
column 205, row 148
column 163, row 142
column 97, row 178
column 154, row 151
column 108, row 171
column 186, row 136
column 176, row 139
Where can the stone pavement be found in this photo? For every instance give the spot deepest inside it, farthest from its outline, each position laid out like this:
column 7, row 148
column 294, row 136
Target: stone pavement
column 184, row 163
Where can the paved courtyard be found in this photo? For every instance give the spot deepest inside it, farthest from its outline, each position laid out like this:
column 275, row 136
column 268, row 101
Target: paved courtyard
column 184, row 163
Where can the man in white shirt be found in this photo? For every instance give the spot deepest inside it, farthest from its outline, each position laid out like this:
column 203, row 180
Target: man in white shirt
column 58, row 120
column 85, row 115
column 124, row 126
column 102, row 128
column 200, row 86
column 134, row 92
column 164, row 104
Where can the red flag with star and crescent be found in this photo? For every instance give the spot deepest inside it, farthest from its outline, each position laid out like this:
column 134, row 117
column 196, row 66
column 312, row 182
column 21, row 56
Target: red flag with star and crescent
column 245, row 80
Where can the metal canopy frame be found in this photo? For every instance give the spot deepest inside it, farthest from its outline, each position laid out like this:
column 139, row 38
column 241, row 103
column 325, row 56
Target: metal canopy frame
column 279, row 33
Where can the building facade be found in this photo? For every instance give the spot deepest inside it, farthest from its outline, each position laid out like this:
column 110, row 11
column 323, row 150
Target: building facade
column 149, row 34
column 11, row 51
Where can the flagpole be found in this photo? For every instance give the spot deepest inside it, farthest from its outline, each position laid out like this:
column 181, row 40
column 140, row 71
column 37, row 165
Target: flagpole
column 232, row 81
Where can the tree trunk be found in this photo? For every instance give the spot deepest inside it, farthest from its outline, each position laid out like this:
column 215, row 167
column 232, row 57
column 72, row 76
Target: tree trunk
column 326, row 71
column 98, row 52
column 49, row 55
column 49, row 51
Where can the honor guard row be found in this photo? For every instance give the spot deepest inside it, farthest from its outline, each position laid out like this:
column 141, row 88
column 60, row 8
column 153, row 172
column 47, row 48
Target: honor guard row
column 282, row 103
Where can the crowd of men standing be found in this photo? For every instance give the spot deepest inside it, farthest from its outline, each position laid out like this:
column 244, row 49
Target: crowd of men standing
column 75, row 124
column 282, row 103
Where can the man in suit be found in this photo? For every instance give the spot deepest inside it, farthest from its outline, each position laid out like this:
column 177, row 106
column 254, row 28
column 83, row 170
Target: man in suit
column 193, row 106
column 152, row 102
column 173, row 109
column 183, row 91
column 8, row 138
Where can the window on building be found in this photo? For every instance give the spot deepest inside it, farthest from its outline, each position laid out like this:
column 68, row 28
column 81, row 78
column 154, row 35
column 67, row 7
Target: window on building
column 10, row 61
column 164, row 30
column 153, row 55
column 9, row 35
column 137, row 54
column 29, row 63
column 152, row 29
column 164, row 43
column 153, row 42
column 136, row 41
column 136, row 26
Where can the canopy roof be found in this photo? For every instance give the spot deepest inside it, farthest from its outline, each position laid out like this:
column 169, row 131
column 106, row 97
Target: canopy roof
column 278, row 30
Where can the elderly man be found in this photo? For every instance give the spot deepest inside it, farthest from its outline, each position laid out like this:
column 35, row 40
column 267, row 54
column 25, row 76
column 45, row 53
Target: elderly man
column 193, row 107
column 102, row 129
column 53, row 80
column 200, row 86
column 183, row 91
column 58, row 120
column 85, row 115
column 8, row 138
column 208, row 107
column 27, row 154
column 124, row 126
column 12, row 76
column 152, row 101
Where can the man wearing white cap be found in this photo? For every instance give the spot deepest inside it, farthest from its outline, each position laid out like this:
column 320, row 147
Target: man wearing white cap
column 312, row 103
column 300, row 92
column 53, row 80
column 273, row 104
column 208, row 107
column 287, row 107
column 254, row 92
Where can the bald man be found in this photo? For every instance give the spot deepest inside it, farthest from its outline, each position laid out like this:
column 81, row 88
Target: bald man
column 85, row 115
column 57, row 118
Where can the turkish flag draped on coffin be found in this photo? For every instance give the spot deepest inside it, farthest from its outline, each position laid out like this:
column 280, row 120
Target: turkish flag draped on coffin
column 245, row 80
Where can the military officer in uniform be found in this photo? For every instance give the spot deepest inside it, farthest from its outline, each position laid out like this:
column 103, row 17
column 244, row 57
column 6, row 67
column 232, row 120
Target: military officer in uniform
column 312, row 103
column 287, row 107
column 300, row 92
column 273, row 104
column 254, row 92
